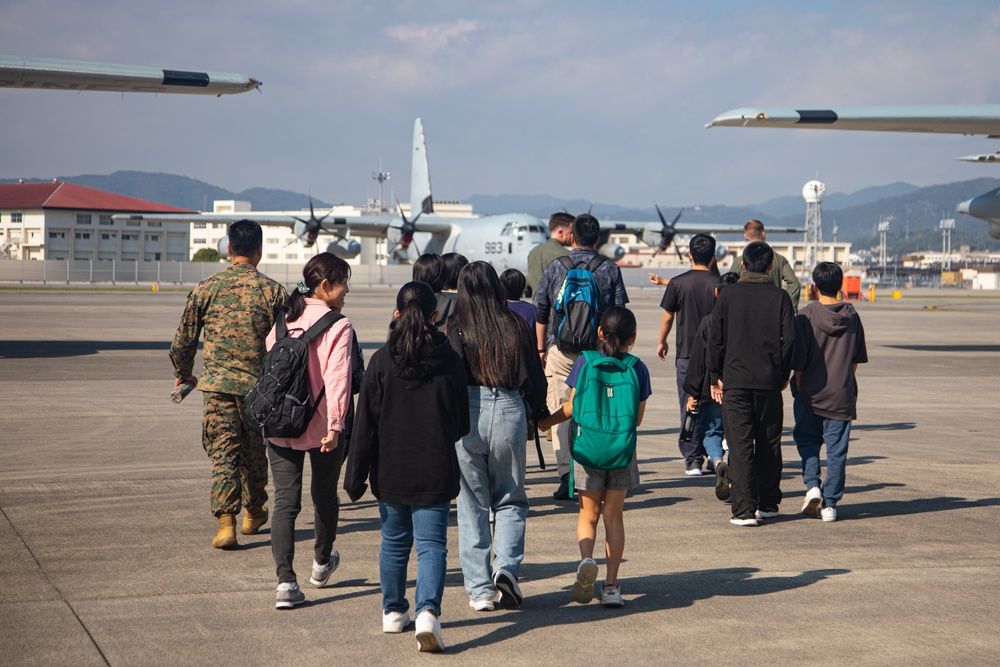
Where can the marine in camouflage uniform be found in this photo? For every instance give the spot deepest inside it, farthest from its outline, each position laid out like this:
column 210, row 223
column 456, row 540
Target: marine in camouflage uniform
column 236, row 309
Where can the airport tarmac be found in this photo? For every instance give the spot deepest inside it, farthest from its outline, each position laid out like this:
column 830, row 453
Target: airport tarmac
column 105, row 529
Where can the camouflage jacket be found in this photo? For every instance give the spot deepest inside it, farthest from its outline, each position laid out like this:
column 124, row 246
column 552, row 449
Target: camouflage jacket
column 236, row 308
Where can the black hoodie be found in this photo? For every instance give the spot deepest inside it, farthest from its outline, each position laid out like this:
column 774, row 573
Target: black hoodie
column 405, row 431
column 829, row 340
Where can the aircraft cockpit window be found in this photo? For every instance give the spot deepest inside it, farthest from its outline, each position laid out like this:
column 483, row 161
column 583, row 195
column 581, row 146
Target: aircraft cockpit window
column 519, row 232
column 507, row 229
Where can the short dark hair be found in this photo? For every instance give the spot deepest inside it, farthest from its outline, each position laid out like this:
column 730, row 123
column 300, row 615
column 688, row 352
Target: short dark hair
column 560, row 219
column 453, row 265
column 829, row 278
column 757, row 257
column 701, row 247
column 513, row 283
column 586, row 230
column 245, row 237
column 728, row 278
column 429, row 268
column 617, row 326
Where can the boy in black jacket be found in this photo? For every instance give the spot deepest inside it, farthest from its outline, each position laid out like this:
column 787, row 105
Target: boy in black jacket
column 697, row 387
column 750, row 348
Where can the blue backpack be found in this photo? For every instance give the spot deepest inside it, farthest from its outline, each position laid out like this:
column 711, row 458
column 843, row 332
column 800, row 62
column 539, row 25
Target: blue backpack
column 577, row 307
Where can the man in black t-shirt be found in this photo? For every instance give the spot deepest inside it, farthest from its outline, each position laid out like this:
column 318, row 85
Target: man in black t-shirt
column 688, row 298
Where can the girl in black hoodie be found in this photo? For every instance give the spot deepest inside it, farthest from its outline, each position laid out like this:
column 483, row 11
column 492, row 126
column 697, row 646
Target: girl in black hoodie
column 412, row 409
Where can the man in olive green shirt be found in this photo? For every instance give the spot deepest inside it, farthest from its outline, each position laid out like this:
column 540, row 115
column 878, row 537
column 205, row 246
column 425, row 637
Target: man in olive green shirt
column 781, row 272
column 560, row 237
column 236, row 309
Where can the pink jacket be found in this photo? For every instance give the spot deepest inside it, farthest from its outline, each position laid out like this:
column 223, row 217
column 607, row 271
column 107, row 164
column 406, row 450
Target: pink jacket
column 330, row 365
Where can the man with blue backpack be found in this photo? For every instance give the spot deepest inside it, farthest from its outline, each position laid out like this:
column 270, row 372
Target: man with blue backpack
column 571, row 295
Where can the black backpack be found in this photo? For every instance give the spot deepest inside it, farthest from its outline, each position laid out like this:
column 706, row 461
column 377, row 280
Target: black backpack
column 278, row 405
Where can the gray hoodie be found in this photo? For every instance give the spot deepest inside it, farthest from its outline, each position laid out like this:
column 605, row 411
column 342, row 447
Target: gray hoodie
column 828, row 341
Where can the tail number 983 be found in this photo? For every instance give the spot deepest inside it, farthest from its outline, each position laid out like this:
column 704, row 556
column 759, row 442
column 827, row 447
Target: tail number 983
column 494, row 247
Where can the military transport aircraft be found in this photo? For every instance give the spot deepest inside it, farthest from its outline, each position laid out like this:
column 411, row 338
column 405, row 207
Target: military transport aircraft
column 980, row 119
column 502, row 240
column 49, row 74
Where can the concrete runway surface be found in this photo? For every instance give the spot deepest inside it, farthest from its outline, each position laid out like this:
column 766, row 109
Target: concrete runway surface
column 105, row 528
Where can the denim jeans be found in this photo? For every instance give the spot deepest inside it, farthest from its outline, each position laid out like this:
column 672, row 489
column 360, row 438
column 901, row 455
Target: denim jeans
column 711, row 426
column 286, row 473
column 810, row 431
column 401, row 526
column 492, row 459
column 695, row 449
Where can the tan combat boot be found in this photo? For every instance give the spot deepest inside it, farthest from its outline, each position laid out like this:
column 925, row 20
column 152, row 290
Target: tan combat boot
column 226, row 537
column 253, row 520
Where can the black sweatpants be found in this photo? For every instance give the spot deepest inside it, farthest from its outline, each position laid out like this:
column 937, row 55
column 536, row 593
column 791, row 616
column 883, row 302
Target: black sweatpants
column 752, row 419
column 286, row 473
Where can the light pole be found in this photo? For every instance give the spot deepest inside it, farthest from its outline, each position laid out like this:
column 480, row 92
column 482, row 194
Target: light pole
column 947, row 225
column 381, row 177
column 883, row 230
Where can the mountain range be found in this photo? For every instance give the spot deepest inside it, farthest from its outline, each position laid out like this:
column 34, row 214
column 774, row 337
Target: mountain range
column 914, row 211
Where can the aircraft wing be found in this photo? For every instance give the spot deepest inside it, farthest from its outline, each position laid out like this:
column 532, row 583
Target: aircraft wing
column 943, row 119
column 49, row 74
column 374, row 225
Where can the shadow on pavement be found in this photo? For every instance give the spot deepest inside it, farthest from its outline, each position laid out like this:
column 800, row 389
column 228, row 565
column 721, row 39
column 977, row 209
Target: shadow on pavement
column 33, row 349
column 655, row 593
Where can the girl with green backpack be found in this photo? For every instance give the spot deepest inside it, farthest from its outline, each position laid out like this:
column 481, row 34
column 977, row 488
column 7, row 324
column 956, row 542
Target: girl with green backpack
column 608, row 392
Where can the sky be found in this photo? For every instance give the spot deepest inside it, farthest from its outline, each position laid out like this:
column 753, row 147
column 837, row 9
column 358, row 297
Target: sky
column 586, row 99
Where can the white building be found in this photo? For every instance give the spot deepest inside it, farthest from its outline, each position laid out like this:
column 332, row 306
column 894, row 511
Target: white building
column 65, row 221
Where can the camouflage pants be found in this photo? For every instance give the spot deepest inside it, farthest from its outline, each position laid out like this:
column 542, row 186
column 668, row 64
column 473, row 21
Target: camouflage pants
column 239, row 458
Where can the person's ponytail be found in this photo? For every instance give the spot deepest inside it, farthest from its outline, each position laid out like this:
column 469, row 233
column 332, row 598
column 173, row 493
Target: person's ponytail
column 411, row 330
column 617, row 327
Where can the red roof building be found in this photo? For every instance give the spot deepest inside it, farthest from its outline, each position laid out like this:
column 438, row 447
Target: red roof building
column 66, row 221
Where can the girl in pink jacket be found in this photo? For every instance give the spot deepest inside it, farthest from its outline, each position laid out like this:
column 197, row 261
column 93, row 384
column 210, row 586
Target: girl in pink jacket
column 323, row 288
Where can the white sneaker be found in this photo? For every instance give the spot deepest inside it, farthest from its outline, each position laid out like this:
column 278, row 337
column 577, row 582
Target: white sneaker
column 586, row 575
column 482, row 605
column 611, row 595
column 394, row 622
column 428, row 632
column 814, row 498
column 828, row 513
column 321, row 573
column 766, row 514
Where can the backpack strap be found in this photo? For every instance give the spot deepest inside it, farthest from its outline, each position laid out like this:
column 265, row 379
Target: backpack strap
column 321, row 325
column 596, row 262
column 566, row 262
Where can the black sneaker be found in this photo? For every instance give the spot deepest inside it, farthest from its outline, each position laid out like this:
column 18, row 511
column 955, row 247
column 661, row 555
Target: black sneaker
column 722, row 490
column 562, row 493
column 709, row 467
column 510, row 592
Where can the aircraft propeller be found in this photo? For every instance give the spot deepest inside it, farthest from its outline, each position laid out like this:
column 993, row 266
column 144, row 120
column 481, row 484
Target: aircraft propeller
column 406, row 231
column 668, row 232
column 313, row 226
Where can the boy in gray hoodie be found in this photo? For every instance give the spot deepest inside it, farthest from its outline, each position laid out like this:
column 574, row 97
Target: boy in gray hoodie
column 830, row 343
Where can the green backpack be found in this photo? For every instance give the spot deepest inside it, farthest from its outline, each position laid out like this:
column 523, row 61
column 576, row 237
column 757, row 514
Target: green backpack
column 605, row 409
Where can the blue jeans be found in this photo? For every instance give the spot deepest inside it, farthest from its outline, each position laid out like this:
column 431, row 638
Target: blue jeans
column 401, row 525
column 810, row 431
column 711, row 425
column 492, row 459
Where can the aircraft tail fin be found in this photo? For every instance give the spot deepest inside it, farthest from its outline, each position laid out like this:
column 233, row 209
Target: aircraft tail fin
column 420, row 180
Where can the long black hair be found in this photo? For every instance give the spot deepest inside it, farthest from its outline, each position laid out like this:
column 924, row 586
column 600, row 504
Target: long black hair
column 494, row 336
column 323, row 266
column 412, row 329
column 618, row 326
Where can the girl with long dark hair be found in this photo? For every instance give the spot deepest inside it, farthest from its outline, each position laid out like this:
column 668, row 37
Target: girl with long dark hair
column 323, row 288
column 506, row 388
column 411, row 411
